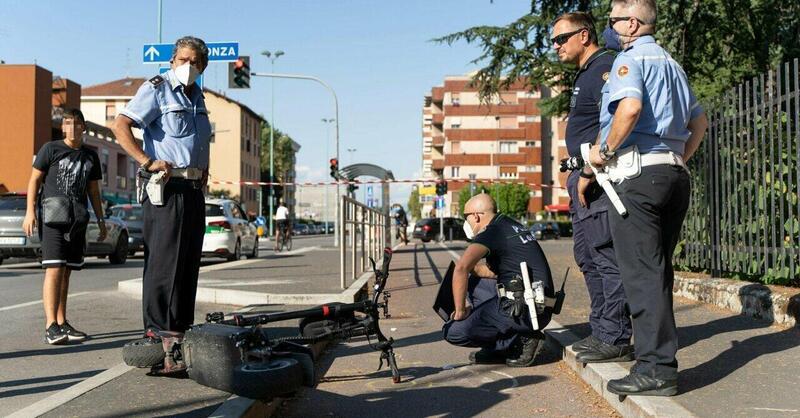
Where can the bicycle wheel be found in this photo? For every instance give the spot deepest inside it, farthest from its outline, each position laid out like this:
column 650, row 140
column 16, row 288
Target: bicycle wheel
column 288, row 243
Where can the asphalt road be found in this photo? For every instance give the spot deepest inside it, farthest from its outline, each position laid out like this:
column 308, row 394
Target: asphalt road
column 30, row 370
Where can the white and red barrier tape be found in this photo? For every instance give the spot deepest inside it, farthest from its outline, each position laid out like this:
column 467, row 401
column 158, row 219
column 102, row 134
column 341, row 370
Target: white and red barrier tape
column 357, row 182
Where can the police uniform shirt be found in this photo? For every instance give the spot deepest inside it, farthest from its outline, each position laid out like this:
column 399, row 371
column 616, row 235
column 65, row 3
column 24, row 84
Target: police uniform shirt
column 646, row 71
column 176, row 126
column 509, row 243
column 583, row 122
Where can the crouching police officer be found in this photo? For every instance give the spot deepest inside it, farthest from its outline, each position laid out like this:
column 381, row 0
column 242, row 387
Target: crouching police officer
column 575, row 41
column 171, row 111
column 500, row 325
column 648, row 103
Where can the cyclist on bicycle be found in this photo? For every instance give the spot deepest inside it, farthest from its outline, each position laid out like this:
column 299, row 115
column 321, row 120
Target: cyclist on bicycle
column 282, row 220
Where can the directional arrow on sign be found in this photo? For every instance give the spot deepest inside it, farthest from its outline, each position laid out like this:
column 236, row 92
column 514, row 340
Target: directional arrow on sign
column 152, row 52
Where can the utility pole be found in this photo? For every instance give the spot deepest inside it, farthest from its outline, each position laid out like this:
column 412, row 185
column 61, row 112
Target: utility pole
column 327, row 121
column 272, row 57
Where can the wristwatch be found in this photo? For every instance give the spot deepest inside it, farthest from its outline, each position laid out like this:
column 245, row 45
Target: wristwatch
column 605, row 153
column 147, row 164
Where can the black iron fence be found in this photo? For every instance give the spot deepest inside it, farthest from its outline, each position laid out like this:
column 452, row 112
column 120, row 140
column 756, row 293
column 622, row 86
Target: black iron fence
column 743, row 219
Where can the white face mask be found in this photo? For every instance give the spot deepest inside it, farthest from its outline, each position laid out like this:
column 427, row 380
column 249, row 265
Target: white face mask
column 187, row 74
column 468, row 231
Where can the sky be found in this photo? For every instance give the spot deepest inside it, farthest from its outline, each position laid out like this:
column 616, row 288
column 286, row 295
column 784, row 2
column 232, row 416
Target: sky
column 377, row 56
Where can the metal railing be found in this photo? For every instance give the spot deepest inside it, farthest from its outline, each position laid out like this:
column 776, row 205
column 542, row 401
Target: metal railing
column 743, row 217
column 363, row 227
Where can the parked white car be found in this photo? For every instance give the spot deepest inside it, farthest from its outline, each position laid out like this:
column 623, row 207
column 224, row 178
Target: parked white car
column 229, row 233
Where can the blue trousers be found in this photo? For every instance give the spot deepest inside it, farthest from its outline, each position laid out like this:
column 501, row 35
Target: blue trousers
column 594, row 254
column 489, row 325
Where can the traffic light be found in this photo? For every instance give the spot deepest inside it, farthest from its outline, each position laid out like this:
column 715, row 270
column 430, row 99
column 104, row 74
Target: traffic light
column 335, row 168
column 351, row 188
column 441, row 188
column 239, row 73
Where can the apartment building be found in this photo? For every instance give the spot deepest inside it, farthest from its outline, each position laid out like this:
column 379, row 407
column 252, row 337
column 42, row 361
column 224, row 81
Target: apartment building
column 506, row 139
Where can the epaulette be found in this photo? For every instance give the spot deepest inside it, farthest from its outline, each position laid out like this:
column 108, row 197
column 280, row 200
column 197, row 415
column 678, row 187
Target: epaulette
column 157, row 80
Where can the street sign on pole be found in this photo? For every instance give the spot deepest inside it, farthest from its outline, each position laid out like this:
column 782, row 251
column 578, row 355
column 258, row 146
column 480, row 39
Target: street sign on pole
column 217, row 51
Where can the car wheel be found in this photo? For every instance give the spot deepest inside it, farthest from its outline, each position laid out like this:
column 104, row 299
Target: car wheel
column 120, row 254
column 237, row 252
column 254, row 254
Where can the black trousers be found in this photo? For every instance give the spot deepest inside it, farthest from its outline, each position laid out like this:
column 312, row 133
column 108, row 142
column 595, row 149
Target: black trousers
column 644, row 240
column 173, row 244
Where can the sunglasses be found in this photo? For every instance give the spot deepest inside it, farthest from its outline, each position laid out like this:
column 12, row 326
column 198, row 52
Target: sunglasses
column 564, row 37
column 613, row 20
column 466, row 214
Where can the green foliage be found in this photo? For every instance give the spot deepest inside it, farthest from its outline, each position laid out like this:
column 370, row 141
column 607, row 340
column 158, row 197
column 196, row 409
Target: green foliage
column 718, row 42
column 414, row 207
column 511, row 199
column 284, row 155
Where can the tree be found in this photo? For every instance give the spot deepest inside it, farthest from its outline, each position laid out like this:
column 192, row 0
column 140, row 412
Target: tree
column 222, row 194
column 718, row 42
column 414, row 207
column 511, row 199
column 466, row 193
column 284, row 154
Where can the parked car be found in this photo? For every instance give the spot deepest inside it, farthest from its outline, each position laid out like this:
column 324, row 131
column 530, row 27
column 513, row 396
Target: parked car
column 300, row 229
column 229, row 233
column 545, row 230
column 428, row 229
column 14, row 243
column 132, row 215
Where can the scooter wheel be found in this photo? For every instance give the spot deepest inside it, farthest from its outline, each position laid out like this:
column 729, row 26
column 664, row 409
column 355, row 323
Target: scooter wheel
column 144, row 352
column 267, row 380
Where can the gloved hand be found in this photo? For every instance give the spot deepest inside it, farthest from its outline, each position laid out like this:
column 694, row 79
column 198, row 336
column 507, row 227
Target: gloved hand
column 519, row 305
column 571, row 163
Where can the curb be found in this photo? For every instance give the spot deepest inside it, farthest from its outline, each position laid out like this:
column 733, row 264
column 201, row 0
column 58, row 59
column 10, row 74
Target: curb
column 597, row 376
column 751, row 299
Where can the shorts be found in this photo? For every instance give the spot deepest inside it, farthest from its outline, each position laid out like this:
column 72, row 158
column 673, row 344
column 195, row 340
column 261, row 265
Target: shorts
column 57, row 251
column 282, row 223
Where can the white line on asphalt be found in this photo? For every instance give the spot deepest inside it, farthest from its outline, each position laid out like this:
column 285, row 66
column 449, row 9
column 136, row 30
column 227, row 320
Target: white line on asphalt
column 38, row 302
column 452, row 253
column 59, row 398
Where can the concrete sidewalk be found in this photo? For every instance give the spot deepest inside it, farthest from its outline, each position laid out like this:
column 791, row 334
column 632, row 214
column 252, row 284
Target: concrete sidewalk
column 730, row 364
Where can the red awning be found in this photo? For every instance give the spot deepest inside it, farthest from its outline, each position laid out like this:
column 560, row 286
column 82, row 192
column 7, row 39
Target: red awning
column 564, row 207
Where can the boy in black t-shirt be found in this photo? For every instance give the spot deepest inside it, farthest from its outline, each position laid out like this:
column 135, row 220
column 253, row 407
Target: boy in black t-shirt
column 68, row 170
column 501, row 329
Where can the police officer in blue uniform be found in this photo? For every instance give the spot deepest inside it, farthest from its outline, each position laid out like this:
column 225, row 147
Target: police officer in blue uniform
column 501, row 327
column 648, row 103
column 575, row 40
column 171, row 111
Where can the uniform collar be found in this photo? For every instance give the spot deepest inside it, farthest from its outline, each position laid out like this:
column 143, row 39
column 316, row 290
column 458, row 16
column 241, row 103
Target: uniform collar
column 596, row 55
column 645, row 39
column 176, row 85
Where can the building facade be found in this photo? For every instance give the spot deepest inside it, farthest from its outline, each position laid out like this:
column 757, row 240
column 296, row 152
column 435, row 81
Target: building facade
column 507, row 139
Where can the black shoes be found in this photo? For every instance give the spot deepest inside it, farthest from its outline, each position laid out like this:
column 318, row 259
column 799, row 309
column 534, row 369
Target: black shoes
column 606, row 353
column 644, row 385
column 585, row 344
column 72, row 333
column 54, row 335
column 487, row 356
column 524, row 351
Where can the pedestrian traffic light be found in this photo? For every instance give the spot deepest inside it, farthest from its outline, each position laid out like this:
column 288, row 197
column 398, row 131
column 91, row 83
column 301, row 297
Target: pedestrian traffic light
column 239, row 73
column 441, row 188
column 351, row 188
column 335, row 168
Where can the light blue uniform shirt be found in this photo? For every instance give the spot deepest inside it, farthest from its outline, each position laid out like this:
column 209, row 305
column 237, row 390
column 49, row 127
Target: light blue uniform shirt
column 176, row 126
column 646, row 71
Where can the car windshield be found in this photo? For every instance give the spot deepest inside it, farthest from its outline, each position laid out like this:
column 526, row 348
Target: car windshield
column 214, row 210
column 13, row 203
column 128, row 213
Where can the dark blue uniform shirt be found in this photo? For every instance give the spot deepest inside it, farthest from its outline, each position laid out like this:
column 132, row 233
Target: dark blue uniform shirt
column 584, row 105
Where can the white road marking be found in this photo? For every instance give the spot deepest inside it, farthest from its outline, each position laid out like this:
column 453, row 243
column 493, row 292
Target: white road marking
column 38, row 302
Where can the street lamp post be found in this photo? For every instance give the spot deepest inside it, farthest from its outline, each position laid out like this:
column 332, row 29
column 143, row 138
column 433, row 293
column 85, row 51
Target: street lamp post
column 271, row 57
column 327, row 156
column 336, row 118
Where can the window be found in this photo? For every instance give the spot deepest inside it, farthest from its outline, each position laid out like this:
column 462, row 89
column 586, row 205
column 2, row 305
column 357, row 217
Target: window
column 248, row 145
column 508, row 172
column 455, row 123
column 533, row 168
column 508, row 147
column 455, row 99
column 104, row 166
column 111, row 112
column 509, row 97
column 213, row 132
column 455, row 172
column 533, row 144
column 455, row 147
column 508, row 122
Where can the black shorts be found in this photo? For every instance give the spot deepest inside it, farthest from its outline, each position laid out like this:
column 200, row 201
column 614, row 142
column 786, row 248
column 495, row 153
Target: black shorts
column 57, row 251
column 282, row 224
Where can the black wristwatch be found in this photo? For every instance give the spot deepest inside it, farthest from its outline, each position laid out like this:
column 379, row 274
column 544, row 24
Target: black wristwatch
column 147, row 164
column 586, row 175
column 605, row 154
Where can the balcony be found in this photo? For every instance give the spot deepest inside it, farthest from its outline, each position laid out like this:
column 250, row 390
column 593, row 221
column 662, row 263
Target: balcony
column 437, row 94
column 438, row 118
column 438, row 141
column 438, row 164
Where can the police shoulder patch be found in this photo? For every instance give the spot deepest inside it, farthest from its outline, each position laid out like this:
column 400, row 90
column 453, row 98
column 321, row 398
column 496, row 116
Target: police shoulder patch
column 623, row 70
column 605, row 76
column 155, row 81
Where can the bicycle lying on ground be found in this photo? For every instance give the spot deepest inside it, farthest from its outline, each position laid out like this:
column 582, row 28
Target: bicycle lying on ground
column 234, row 353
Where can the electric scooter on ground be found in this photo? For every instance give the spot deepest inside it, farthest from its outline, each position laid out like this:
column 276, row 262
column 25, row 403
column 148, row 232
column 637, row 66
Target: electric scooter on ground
column 234, row 353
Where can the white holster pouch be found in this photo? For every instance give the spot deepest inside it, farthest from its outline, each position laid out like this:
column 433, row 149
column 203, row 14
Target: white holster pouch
column 155, row 188
column 627, row 164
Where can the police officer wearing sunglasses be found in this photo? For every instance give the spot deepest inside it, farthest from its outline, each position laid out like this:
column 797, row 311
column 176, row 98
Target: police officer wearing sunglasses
column 575, row 42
